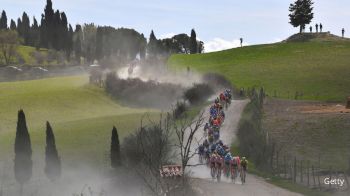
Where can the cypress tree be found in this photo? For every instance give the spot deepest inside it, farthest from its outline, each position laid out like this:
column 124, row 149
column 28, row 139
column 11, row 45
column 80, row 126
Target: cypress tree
column 34, row 33
column 115, row 149
column 19, row 27
column 3, row 20
column 69, row 48
column 49, row 26
column 13, row 25
column 56, row 35
column 193, row 42
column 52, row 160
column 25, row 27
column 23, row 151
column 77, row 49
column 43, row 34
column 152, row 46
column 99, row 43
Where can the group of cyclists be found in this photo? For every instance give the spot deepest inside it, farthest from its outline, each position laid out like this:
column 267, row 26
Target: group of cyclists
column 213, row 151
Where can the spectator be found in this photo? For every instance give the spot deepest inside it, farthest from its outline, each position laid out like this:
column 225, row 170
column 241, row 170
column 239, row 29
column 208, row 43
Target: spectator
column 321, row 27
column 343, row 32
column 310, row 29
column 241, row 39
column 316, row 28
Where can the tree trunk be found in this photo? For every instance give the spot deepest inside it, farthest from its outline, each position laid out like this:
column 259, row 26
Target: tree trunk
column 301, row 29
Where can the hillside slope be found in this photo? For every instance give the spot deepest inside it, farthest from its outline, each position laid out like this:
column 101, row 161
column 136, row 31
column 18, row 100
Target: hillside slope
column 82, row 116
column 319, row 69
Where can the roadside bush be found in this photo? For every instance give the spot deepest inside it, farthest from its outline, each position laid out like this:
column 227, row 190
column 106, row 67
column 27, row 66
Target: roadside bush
column 20, row 59
column 180, row 109
column 144, row 94
column 252, row 140
column 38, row 56
column 198, row 93
column 217, row 80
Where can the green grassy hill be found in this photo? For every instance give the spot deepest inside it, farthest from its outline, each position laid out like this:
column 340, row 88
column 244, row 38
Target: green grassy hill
column 82, row 116
column 319, row 68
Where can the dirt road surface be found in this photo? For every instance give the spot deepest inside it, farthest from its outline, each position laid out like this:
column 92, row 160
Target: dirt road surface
column 201, row 174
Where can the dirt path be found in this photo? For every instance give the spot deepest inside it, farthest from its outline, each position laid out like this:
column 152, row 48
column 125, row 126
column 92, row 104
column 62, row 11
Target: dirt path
column 201, row 174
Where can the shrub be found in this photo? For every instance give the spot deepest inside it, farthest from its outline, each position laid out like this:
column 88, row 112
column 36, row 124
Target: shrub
column 198, row 93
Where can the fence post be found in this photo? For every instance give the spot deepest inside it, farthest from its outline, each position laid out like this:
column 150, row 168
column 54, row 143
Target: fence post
column 285, row 167
column 295, row 170
column 308, row 174
column 277, row 166
column 313, row 175
column 301, row 171
column 271, row 158
column 330, row 175
column 319, row 170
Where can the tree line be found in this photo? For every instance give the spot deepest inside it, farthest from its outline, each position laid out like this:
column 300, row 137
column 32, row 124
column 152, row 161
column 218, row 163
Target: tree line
column 23, row 164
column 92, row 42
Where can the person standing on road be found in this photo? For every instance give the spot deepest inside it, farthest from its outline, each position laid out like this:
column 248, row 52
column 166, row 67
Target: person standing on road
column 316, row 28
column 343, row 32
column 321, row 27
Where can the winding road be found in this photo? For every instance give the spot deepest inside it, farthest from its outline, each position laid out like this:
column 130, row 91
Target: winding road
column 201, row 174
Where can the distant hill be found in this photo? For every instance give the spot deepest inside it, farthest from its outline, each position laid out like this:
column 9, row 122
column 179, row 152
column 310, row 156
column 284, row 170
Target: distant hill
column 314, row 65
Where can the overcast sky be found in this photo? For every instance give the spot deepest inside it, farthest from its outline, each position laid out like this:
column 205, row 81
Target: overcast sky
column 219, row 23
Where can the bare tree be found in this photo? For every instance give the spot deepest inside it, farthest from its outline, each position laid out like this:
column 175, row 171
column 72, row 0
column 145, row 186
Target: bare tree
column 147, row 151
column 185, row 130
column 8, row 45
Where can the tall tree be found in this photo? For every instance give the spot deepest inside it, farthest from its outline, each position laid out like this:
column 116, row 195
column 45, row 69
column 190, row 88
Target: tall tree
column 23, row 151
column 52, row 160
column 19, row 27
column 152, row 47
column 193, row 42
column 13, row 25
column 56, row 40
column 3, row 20
column 115, row 149
column 69, row 48
column 34, row 34
column 49, row 26
column 25, row 27
column 43, row 34
column 99, row 43
column 301, row 13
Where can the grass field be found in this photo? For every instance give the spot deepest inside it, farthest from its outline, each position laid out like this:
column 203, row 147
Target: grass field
column 319, row 69
column 82, row 117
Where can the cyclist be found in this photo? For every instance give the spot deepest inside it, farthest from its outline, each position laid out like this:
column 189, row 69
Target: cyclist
column 227, row 160
column 244, row 167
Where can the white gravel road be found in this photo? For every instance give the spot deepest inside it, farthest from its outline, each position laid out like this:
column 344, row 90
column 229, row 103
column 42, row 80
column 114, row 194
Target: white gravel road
column 201, row 174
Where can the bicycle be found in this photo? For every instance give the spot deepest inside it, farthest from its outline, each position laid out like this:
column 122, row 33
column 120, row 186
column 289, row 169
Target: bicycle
column 234, row 173
column 243, row 175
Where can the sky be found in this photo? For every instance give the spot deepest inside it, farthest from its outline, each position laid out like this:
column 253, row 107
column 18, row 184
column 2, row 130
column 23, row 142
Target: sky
column 219, row 23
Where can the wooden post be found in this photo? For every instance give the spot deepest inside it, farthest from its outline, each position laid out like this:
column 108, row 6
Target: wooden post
column 319, row 170
column 308, row 174
column 291, row 171
column 330, row 175
column 271, row 159
column 285, row 167
column 301, row 171
column 295, row 170
column 313, row 174
column 277, row 166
